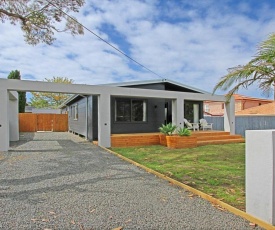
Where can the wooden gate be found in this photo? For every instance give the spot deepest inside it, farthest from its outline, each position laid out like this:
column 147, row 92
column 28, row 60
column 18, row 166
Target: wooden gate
column 45, row 122
column 29, row 122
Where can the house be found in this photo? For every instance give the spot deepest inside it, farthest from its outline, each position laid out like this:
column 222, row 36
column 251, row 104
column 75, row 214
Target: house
column 265, row 109
column 130, row 106
column 212, row 108
column 31, row 109
column 131, row 114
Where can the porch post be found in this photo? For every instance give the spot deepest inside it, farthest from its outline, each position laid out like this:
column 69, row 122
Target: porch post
column 229, row 116
column 4, row 121
column 13, row 116
column 104, row 120
column 177, row 112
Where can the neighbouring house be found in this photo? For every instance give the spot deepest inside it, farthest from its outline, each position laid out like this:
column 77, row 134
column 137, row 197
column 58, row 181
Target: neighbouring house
column 212, row 108
column 130, row 114
column 31, row 109
column 265, row 109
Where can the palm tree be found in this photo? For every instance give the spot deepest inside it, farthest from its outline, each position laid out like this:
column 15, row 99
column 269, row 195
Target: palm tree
column 260, row 70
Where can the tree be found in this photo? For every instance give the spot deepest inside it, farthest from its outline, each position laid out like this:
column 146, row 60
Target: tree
column 15, row 74
column 260, row 71
column 39, row 19
column 50, row 100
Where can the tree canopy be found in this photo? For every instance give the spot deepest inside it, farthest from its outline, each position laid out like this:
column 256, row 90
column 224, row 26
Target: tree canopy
column 50, row 100
column 260, row 71
column 15, row 74
column 39, row 19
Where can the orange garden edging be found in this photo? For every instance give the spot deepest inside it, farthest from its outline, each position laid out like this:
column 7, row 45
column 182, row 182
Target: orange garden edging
column 214, row 201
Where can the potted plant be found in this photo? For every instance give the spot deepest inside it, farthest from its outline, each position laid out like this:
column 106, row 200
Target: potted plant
column 184, row 132
column 183, row 139
column 166, row 130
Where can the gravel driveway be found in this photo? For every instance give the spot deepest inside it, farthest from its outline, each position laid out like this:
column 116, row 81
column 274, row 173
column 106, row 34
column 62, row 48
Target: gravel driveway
column 60, row 181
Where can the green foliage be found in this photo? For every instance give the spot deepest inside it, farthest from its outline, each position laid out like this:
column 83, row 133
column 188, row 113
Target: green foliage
column 22, row 102
column 15, row 74
column 183, row 132
column 50, row 100
column 218, row 170
column 167, row 129
column 39, row 19
column 260, row 71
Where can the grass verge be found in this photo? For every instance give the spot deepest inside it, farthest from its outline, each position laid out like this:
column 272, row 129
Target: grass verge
column 218, row 170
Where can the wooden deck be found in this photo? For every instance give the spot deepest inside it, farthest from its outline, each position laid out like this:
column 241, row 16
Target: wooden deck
column 203, row 138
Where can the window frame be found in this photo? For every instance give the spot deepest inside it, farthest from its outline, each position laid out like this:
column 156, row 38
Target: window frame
column 145, row 113
column 75, row 112
column 206, row 108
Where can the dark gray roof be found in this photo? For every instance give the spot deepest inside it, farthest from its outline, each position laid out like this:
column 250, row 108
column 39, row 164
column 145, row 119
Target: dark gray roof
column 146, row 82
column 132, row 83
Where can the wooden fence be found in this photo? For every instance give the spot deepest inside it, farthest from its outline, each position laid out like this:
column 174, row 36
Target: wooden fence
column 29, row 122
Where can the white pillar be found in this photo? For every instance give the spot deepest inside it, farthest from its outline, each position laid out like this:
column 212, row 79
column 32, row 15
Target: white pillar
column 13, row 116
column 4, row 121
column 229, row 116
column 104, row 120
column 260, row 174
column 177, row 112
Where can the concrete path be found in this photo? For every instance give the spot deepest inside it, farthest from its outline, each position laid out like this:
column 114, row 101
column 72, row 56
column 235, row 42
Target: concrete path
column 59, row 181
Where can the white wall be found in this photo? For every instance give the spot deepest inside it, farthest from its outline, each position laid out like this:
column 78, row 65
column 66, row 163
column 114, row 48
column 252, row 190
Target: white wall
column 13, row 116
column 260, row 158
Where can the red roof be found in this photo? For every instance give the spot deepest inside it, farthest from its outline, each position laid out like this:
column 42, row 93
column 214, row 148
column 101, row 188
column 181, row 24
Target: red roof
column 266, row 109
column 242, row 97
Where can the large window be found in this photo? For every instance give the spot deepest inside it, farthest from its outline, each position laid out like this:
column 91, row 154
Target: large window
column 130, row 110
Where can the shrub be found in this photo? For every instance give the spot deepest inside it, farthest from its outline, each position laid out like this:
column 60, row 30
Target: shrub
column 183, row 132
column 167, row 129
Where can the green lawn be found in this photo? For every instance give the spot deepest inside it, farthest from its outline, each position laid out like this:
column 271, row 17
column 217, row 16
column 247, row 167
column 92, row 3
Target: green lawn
column 218, row 170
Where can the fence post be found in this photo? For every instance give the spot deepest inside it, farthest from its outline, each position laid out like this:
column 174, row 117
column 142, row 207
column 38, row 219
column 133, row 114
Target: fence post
column 260, row 158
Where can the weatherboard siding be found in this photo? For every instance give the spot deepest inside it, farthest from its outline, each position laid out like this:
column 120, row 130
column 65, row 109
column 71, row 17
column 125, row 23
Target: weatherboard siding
column 79, row 125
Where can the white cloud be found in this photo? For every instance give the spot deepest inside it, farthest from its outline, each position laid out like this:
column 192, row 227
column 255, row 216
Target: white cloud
column 190, row 42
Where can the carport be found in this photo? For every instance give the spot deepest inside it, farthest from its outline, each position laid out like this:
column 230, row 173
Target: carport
column 9, row 130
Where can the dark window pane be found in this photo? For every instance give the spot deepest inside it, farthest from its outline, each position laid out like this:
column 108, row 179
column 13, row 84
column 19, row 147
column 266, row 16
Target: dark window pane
column 138, row 110
column 123, row 110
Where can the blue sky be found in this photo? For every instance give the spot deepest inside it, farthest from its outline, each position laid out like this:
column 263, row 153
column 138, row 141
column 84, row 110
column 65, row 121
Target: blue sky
column 191, row 42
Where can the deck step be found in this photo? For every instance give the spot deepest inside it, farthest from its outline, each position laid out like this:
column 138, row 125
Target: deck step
column 209, row 133
column 217, row 142
column 216, row 137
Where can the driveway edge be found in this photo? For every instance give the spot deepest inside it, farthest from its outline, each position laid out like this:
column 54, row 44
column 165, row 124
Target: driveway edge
column 203, row 195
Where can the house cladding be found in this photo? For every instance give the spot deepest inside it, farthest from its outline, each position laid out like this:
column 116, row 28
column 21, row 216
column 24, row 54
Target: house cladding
column 81, row 120
column 154, row 117
column 77, row 116
column 128, row 115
